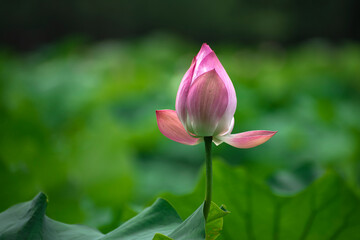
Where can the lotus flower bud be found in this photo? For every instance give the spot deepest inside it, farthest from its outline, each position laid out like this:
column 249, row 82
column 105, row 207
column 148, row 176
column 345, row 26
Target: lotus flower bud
column 205, row 106
column 206, row 99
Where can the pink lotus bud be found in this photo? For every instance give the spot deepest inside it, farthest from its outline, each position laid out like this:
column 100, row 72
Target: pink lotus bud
column 206, row 99
column 205, row 106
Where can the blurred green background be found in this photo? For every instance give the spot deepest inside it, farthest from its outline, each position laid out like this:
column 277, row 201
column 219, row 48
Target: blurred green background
column 79, row 87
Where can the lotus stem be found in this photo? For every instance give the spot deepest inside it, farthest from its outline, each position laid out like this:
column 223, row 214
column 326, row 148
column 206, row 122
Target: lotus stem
column 208, row 161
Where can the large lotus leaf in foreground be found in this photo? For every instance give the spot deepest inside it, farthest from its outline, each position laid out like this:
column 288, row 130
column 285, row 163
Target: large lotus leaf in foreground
column 159, row 221
column 326, row 210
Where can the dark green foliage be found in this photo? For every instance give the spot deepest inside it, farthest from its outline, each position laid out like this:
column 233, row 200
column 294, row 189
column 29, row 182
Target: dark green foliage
column 246, row 20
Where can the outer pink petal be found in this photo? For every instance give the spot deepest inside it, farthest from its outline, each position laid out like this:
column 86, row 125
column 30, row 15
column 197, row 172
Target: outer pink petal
column 206, row 103
column 182, row 93
column 170, row 125
column 248, row 139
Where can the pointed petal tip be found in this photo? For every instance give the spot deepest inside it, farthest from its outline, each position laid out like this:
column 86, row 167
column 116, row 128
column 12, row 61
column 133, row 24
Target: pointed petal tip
column 266, row 132
column 171, row 127
column 205, row 45
column 248, row 139
column 271, row 133
column 203, row 52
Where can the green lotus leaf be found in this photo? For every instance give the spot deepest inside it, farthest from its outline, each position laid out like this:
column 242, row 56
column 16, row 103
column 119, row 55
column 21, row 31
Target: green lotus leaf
column 159, row 221
column 326, row 210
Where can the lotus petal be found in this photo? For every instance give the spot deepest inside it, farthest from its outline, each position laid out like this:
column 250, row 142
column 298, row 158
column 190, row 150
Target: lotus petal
column 248, row 139
column 206, row 103
column 170, row 125
column 209, row 62
column 182, row 93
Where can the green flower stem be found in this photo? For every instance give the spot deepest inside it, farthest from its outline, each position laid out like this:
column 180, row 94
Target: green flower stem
column 208, row 142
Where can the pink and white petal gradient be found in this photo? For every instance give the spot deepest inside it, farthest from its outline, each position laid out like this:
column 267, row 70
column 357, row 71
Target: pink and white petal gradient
column 206, row 61
column 206, row 103
column 170, row 125
column 248, row 139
